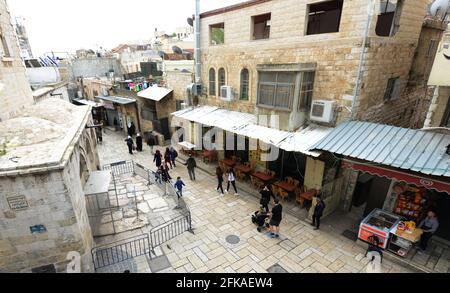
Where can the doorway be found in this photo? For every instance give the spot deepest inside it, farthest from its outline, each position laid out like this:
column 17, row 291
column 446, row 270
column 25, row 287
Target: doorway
column 371, row 191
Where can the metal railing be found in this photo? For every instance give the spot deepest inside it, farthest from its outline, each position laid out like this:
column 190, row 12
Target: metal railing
column 120, row 168
column 170, row 230
column 121, row 251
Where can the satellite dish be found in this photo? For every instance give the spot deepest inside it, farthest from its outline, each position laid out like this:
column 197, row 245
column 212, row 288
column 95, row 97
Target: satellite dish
column 177, row 50
column 439, row 7
column 190, row 21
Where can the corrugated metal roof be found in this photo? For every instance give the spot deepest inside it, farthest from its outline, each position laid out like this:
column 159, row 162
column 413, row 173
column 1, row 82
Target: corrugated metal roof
column 410, row 149
column 155, row 93
column 118, row 100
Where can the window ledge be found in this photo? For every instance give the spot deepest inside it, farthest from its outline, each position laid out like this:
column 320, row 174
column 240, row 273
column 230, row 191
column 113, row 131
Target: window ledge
column 7, row 59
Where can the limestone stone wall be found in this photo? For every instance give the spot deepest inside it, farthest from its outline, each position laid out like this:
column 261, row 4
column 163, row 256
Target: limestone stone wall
column 15, row 91
column 337, row 55
column 54, row 200
column 438, row 106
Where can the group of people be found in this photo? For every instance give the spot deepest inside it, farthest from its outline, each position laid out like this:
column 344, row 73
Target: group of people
column 230, row 174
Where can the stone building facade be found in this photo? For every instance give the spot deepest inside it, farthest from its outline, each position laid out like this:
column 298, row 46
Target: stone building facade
column 47, row 156
column 15, row 92
column 294, row 43
column 438, row 112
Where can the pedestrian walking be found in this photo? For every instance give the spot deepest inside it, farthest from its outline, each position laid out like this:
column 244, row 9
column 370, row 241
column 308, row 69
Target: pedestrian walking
column 130, row 144
column 191, row 165
column 131, row 129
column 151, row 141
column 219, row 174
column 157, row 159
column 168, row 158
column 116, row 124
column 266, row 194
column 165, row 176
column 158, row 175
column 139, row 142
column 173, row 155
column 231, row 176
column 179, row 186
column 318, row 212
column 275, row 218
column 429, row 225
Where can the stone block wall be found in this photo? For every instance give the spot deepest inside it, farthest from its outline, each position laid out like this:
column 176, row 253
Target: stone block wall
column 438, row 107
column 55, row 200
column 15, row 91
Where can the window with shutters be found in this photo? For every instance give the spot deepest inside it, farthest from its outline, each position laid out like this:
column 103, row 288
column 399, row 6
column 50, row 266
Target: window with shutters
column 392, row 89
column 276, row 89
column 306, row 90
column 212, row 82
column 222, row 78
column 244, row 84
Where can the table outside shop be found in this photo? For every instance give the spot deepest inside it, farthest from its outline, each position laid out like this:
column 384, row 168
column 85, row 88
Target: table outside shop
column 289, row 187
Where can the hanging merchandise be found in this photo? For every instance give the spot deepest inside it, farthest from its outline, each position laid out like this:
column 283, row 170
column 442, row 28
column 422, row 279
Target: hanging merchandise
column 411, row 202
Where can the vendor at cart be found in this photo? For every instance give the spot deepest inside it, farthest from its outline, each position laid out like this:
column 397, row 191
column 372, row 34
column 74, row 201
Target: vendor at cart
column 429, row 226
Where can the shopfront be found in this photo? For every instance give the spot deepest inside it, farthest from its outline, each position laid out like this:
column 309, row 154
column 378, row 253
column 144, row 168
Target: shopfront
column 406, row 195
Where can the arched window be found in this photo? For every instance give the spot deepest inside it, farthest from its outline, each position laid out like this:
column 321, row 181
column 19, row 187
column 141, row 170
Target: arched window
column 222, row 80
column 244, row 84
column 212, row 82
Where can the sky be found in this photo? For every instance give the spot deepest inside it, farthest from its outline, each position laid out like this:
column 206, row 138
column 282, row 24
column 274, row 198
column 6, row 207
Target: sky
column 68, row 25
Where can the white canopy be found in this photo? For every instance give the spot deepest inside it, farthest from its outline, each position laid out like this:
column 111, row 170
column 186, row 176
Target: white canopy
column 155, row 93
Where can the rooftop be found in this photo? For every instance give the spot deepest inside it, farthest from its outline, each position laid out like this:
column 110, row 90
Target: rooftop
column 232, row 8
column 39, row 138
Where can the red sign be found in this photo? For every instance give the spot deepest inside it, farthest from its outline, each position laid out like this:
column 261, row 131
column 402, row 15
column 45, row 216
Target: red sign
column 428, row 183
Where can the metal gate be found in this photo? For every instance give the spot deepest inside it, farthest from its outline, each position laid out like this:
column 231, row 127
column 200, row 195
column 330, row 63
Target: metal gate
column 170, row 230
column 121, row 251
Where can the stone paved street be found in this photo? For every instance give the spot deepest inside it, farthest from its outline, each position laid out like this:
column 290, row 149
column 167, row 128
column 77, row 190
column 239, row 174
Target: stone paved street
column 299, row 249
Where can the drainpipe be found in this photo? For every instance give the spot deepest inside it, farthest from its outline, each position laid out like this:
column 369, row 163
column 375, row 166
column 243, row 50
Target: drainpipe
column 362, row 60
column 198, row 63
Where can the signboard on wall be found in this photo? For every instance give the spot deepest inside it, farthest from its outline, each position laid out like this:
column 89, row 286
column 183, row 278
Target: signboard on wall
column 17, row 203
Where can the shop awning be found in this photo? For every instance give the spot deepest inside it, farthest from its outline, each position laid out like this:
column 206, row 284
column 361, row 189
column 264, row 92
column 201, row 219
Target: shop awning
column 118, row 100
column 409, row 149
column 215, row 117
column 427, row 182
column 267, row 135
column 89, row 103
column 304, row 139
column 155, row 93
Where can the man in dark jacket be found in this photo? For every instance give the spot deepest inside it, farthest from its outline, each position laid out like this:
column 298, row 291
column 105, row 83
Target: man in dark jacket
column 139, row 142
column 275, row 219
column 265, row 197
column 318, row 212
column 191, row 165
column 130, row 144
column 151, row 142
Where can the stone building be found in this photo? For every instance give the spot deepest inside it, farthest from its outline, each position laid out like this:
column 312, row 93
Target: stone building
column 317, row 54
column 264, row 60
column 46, row 157
column 15, row 92
column 438, row 114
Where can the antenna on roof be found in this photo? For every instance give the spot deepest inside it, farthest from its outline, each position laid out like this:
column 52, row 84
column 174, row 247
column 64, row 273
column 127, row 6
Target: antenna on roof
column 190, row 21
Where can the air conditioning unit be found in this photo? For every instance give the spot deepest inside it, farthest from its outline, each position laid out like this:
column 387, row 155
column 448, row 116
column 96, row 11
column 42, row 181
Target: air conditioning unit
column 322, row 111
column 226, row 93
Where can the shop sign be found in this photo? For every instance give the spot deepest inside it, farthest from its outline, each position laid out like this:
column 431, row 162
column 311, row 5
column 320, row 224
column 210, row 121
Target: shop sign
column 17, row 203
